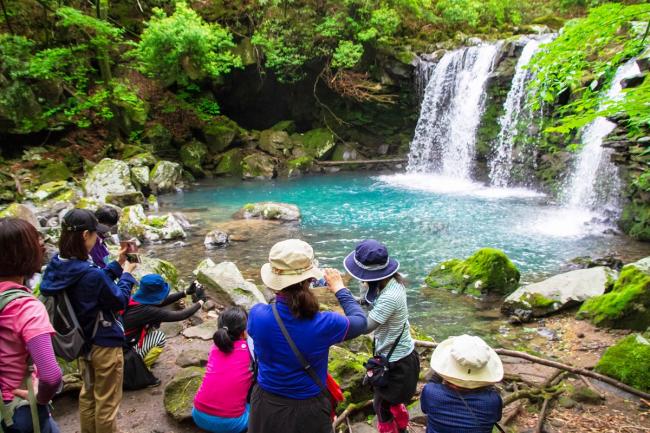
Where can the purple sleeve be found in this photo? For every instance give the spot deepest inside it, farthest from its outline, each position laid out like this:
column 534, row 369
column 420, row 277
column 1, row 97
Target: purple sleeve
column 49, row 373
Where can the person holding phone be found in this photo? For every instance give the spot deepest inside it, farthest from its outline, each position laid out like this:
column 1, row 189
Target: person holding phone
column 96, row 299
column 147, row 310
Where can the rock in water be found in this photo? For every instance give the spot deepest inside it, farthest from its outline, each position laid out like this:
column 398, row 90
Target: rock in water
column 109, row 176
column 627, row 306
column 165, row 177
column 628, row 361
column 258, row 166
column 487, row 271
column 560, row 291
column 228, row 284
column 269, row 211
column 217, row 239
column 180, row 392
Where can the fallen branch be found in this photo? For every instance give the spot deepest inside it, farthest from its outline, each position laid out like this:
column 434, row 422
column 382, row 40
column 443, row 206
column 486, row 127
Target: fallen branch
column 353, row 407
column 592, row 387
column 514, row 412
column 558, row 365
column 542, row 414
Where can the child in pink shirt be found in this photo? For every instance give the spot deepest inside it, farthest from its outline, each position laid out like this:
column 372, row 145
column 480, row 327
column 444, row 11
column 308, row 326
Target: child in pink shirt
column 220, row 404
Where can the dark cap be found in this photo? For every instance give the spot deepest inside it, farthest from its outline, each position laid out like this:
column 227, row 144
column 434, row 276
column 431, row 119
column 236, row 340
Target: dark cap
column 79, row 220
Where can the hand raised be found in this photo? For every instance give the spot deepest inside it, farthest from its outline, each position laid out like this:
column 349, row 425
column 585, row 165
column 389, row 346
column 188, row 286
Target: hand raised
column 334, row 280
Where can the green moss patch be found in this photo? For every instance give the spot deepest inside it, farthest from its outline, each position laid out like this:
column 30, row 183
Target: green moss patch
column 487, row 271
column 628, row 361
column 626, row 306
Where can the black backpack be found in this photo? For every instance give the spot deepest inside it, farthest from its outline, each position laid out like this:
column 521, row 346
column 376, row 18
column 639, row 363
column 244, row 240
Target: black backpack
column 136, row 373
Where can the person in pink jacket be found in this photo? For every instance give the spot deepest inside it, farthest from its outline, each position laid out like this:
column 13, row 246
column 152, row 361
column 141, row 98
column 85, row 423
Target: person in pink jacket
column 220, row 404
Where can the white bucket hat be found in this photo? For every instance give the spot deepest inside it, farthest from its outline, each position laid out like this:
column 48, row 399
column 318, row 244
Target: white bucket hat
column 290, row 262
column 467, row 361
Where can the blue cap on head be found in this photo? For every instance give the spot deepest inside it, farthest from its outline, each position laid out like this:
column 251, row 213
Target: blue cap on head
column 370, row 261
column 152, row 291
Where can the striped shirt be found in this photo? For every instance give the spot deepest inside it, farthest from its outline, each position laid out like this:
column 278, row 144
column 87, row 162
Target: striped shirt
column 391, row 312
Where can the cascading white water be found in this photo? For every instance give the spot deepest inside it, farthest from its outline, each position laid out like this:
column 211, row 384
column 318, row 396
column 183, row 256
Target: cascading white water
column 594, row 184
column 451, row 111
column 423, row 70
column 501, row 162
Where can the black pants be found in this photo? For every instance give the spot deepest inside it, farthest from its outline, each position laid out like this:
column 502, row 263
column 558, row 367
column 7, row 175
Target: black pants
column 271, row 413
column 402, row 378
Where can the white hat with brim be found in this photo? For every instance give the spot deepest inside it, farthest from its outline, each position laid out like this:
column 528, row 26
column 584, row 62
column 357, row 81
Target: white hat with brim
column 467, row 361
column 290, row 262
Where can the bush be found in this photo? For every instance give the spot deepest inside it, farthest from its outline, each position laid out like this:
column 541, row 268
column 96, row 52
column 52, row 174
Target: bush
column 628, row 361
column 182, row 47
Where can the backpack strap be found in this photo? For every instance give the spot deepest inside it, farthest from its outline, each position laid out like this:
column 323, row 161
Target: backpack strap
column 393, row 347
column 305, row 365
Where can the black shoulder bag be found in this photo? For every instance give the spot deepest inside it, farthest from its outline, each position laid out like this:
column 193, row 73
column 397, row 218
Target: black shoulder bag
column 378, row 366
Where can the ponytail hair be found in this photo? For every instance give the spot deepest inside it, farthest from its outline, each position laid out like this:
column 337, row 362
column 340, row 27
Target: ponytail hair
column 231, row 325
column 301, row 301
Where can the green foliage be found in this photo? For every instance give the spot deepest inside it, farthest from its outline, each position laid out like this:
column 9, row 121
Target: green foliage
column 182, row 47
column 628, row 361
column 347, row 55
column 460, row 12
column 477, row 15
column 583, row 60
column 100, row 34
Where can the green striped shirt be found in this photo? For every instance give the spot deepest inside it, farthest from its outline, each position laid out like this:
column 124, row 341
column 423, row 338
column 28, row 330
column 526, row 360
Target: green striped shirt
column 391, row 312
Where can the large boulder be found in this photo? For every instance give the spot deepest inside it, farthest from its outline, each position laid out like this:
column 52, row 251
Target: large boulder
column 109, row 176
column 226, row 282
column 140, row 176
column 560, row 291
column 52, row 190
column 317, row 143
column 258, row 166
column 220, row 133
column 230, row 163
column 628, row 361
column 165, row 176
column 164, row 268
column 627, row 306
column 276, row 143
column 180, row 392
column 143, row 159
column 346, row 367
column 269, row 211
column 487, row 271
column 20, row 211
column 135, row 223
column 216, row 239
column 125, row 199
column 193, row 155
column 53, row 171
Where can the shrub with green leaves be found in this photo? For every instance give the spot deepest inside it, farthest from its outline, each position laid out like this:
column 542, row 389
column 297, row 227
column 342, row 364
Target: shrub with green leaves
column 180, row 48
column 347, row 55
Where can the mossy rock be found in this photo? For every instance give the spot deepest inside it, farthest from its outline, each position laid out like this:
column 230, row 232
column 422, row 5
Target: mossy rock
column 553, row 21
column 109, row 176
column 51, row 190
column 487, row 271
column 230, row 163
column 20, row 211
column 299, row 165
column 258, row 166
column 288, row 126
column 54, row 171
column 318, row 143
column 276, row 143
column 131, row 150
column 161, row 267
column 142, row 159
column 165, row 176
column 628, row 361
column 246, row 52
column 220, row 133
column 160, row 140
column 635, row 221
column 192, row 156
column 346, row 367
column 627, row 306
column 180, row 392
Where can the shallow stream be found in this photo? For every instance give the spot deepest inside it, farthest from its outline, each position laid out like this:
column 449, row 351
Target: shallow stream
column 423, row 219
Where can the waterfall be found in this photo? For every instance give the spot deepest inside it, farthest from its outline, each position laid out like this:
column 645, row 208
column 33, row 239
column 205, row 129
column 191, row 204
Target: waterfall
column 501, row 161
column 594, row 182
column 451, row 110
column 423, row 70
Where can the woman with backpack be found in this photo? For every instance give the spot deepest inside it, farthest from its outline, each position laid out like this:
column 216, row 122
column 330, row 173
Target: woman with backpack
column 292, row 340
column 220, row 404
column 461, row 397
column 394, row 347
column 95, row 298
column 25, row 333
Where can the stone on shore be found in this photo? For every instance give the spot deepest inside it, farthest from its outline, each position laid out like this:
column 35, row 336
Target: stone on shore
column 258, row 166
column 192, row 156
column 560, row 291
column 346, row 367
column 225, row 281
column 217, row 239
column 192, row 358
column 627, row 306
column 134, row 223
column 628, row 361
column 180, row 392
column 140, row 176
column 20, row 211
column 151, row 265
column 165, row 176
column 269, row 211
column 203, row 331
column 52, row 190
column 125, row 199
column 109, row 176
column 487, row 271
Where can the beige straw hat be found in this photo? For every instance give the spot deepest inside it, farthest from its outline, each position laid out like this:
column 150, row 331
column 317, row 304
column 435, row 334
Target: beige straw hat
column 467, row 361
column 290, row 262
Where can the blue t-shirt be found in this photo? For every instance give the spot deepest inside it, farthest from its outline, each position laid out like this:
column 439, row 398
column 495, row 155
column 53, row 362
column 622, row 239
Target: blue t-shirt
column 279, row 372
column 446, row 412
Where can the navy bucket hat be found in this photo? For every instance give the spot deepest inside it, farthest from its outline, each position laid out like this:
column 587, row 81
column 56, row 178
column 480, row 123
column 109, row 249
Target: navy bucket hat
column 152, row 291
column 370, row 262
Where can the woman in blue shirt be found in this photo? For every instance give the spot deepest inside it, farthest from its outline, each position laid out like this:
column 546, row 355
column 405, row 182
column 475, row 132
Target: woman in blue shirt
column 461, row 398
column 287, row 398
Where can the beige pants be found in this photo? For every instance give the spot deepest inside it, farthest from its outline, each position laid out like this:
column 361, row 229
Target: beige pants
column 100, row 402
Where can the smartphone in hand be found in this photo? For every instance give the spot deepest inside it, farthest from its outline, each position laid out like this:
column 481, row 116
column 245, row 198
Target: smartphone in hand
column 133, row 258
column 131, row 245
